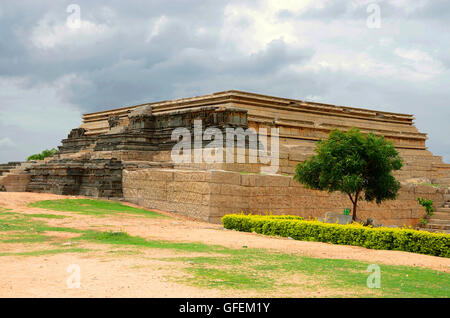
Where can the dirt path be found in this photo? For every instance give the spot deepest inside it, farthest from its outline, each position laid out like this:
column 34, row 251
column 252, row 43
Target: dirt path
column 109, row 275
column 179, row 228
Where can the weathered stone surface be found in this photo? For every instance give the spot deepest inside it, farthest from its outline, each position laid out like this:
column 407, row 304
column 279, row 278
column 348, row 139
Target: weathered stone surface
column 225, row 177
column 127, row 152
column 77, row 133
column 6, row 167
column 146, row 131
column 232, row 197
column 333, row 217
column 97, row 178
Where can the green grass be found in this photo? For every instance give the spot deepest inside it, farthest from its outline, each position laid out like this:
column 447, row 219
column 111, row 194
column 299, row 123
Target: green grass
column 242, row 269
column 125, row 252
column 12, row 221
column 261, row 270
column 24, row 238
column 47, row 252
column 21, row 228
column 46, row 216
column 122, row 238
column 92, row 207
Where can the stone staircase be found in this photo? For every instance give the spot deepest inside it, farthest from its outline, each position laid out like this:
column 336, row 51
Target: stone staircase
column 16, row 179
column 7, row 167
column 440, row 221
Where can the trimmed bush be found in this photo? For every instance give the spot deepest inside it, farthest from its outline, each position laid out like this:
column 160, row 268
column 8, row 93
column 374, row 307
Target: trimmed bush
column 382, row 238
column 281, row 217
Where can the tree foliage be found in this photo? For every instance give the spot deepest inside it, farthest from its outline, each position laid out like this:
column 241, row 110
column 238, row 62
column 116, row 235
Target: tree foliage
column 44, row 154
column 357, row 164
column 427, row 204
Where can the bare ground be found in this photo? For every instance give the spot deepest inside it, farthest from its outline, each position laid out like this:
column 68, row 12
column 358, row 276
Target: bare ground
column 142, row 273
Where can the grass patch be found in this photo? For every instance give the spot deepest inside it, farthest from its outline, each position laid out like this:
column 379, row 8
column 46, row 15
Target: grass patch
column 223, row 278
column 92, row 207
column 46, row 216
column 243, row 269
column 21, row 228
column 12, row 221
column 24, row 238
column 255, row 269
column 122, row 238
column 125, row 252
column 48, row 252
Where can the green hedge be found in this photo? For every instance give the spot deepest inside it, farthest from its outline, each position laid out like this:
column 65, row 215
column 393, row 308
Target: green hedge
column 280, row 217
column 382, row 238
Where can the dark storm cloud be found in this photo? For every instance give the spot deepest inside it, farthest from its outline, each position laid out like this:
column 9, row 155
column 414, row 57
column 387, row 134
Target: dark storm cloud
column 139, row 51
column 127, row 29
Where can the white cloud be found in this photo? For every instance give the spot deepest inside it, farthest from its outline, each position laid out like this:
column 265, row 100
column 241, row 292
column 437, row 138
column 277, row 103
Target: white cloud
column 252, row 27
column 157, row 27
column 6, row 142
column 50, row 33
column 421, row 62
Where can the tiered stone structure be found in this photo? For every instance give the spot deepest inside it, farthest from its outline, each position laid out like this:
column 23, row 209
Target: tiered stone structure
column 7, row 167
column 96, row 177
column 136, row 142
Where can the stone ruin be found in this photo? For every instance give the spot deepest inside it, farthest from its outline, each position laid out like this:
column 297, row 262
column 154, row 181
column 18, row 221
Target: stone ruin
column 125, row 153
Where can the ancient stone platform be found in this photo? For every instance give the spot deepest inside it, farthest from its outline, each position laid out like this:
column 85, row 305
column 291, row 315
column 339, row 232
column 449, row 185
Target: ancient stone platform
column 126, row 153
column 96, row 177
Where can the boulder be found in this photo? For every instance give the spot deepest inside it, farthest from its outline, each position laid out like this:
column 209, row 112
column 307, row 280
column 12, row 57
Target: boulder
column 333, row 217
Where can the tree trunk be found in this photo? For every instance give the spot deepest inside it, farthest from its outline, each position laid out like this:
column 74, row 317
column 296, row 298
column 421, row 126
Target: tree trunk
column 355, row 205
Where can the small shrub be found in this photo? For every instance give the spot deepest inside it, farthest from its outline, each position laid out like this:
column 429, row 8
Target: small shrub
column 427, row 204
column 408, row 240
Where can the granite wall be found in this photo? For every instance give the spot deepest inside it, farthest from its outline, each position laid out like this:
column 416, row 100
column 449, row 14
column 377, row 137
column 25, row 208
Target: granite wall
column 208, row 195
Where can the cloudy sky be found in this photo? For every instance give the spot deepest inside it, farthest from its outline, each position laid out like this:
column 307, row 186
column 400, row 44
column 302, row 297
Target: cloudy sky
column 54, row 66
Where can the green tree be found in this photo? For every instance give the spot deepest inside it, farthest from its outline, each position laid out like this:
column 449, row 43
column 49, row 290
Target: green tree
column 354, row 163
column 44, row 154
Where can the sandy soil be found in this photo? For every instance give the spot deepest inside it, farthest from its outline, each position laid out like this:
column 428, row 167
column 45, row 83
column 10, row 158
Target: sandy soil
column 110, row 275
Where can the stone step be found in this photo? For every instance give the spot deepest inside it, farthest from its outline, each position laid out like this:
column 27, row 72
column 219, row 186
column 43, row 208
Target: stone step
column 436, row 226
column 422, row 158
column 7, row 167
column 20, row 169
column 434, row 220
column 443, row 181
column 16, row 179
column 442, row 210
column 441, row 215
column 10, row 164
